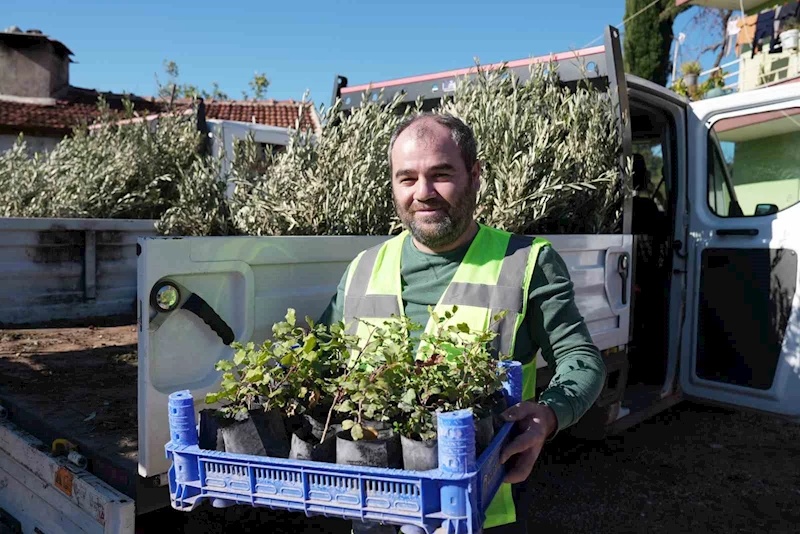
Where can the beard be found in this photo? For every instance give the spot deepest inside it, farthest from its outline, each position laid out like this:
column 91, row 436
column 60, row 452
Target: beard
column 443, row 227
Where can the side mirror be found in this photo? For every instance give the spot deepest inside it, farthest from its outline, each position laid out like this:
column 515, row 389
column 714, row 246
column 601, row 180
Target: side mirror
column 765, row 209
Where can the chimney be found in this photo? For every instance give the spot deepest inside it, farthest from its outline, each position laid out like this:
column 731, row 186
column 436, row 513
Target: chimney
column 32, row 65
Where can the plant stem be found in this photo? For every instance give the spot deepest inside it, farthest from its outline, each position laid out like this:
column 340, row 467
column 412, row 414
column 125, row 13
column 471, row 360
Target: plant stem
column 328, row 420
column 337, row 396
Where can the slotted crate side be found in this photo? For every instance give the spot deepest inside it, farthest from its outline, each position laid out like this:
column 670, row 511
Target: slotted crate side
column 386, row 498
column 491, row 472
column 394, row 496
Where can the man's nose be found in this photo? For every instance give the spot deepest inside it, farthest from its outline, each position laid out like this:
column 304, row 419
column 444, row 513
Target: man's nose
column 424, row 190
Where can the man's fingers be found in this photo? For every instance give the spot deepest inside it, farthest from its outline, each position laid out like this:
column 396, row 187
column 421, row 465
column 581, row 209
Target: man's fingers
column 527, row 440
column 519, row 411
column 523, row 465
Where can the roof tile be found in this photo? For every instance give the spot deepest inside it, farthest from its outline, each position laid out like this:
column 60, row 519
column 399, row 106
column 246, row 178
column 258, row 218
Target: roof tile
column 79, row 105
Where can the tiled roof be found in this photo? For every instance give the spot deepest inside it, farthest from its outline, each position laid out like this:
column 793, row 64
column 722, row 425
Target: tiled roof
column 270, row 112
column 69, row 109
column 77, row 105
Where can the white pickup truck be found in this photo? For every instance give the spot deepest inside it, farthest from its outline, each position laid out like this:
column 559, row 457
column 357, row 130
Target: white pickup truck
column 696, row 299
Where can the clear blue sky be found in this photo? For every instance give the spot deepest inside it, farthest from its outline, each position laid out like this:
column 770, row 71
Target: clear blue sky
column 119, row 46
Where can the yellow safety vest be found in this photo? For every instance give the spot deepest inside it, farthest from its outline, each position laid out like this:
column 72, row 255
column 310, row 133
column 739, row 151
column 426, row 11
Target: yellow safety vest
column 494, row 275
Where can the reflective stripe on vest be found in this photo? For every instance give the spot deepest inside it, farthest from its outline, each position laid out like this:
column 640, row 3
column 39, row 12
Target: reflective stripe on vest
column 494, row 276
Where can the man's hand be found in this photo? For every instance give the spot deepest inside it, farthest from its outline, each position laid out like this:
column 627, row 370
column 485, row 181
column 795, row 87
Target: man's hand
column 536, row 422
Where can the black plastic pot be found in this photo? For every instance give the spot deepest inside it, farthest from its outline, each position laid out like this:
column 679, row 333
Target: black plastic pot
column 497, row 411
column 382, row 452
column 317, row 425
column 306, row 446
column 484, row 433
column 262, row 434
column 210, row 434
column 419, row 455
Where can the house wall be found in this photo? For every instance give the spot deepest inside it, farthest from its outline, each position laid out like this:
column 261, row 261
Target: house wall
column 766, row 68
column 33, row 72
column 33, row 142
column 224, row 133
column 767, row 171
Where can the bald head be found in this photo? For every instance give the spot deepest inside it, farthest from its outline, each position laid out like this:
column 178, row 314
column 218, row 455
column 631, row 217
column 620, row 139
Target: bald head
column 424, row 124
column 433, row 190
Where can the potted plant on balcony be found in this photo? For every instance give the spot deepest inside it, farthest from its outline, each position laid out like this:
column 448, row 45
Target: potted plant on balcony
column 790, row 33
column 691, row 71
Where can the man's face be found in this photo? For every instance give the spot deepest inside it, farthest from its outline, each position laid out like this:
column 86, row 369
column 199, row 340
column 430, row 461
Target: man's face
column 434, row 194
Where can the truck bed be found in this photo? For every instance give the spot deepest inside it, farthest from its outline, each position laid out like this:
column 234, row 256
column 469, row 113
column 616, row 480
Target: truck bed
column 78, row 384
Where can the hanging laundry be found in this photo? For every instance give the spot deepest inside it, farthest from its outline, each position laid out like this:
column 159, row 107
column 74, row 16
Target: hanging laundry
column 788, row 11
column 775, row 46
column 731, row 34
column 764, row 23
column 747, row 30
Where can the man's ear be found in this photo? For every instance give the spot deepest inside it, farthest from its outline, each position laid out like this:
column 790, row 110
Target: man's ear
column 475, row 175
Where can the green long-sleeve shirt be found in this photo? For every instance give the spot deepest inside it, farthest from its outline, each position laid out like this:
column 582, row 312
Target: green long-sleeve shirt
column 552, row 324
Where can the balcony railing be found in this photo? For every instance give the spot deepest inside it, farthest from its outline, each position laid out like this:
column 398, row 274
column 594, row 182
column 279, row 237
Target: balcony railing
column 762, row 70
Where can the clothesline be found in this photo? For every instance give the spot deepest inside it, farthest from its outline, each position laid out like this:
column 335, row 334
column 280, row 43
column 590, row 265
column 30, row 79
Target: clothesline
column 755, row 30
column 645, row 8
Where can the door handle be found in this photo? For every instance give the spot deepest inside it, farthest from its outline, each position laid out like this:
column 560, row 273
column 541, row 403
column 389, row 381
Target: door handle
column 622, row 270
column 167, row 296
column 738, row 231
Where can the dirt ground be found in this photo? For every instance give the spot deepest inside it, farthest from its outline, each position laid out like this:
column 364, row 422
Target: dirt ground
column 82, row 380
column 692, row 468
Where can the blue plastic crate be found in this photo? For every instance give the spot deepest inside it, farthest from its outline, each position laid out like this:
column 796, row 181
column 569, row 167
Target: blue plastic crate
column 453, row 496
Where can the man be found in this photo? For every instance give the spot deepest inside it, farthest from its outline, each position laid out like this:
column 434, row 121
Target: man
column 445, row 257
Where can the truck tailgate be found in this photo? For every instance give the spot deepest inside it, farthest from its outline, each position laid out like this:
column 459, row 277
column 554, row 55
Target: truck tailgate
column 42, row 493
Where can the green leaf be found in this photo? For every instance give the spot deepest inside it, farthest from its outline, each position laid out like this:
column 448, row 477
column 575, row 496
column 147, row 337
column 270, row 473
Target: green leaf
column 254, row 375
column 409, row 396
column 310, row 322
column 347, row 424
column 287, row 360
column 310, row 343
column 224, row 365
column 463, row 327
column 229, row 384
column 357, row 432
column 291, row 317
column 239, row 356
column 212, row 398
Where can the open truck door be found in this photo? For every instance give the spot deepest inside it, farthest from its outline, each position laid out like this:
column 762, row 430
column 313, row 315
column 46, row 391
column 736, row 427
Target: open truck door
column 196, row 295
column 743, row 322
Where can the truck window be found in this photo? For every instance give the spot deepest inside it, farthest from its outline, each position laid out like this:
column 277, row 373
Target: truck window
column 754, row 164
column 651, row 153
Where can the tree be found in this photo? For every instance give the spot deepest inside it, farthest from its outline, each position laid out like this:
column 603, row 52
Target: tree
column 259, row 85
column 712, row 24
column 648, row 38
column 174, row 89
